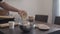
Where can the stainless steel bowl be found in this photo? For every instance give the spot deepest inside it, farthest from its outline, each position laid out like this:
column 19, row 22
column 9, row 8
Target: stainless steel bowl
column 25, row 29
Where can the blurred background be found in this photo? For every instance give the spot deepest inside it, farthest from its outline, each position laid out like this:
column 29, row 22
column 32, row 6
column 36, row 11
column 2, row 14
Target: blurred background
column 33, row 7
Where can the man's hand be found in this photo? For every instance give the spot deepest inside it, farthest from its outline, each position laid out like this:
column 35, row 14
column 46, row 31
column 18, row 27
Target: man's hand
column 22, row 13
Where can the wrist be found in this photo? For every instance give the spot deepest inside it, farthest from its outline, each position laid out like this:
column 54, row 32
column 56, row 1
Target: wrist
column 19, row 11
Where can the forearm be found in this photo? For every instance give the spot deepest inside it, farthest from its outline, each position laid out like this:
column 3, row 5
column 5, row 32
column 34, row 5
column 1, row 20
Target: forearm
column 8, row 7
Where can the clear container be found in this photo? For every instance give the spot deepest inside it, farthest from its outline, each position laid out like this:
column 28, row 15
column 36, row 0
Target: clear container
column 11, row 24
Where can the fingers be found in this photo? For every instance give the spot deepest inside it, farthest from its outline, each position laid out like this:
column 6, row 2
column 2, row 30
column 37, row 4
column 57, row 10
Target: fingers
column 22, row 13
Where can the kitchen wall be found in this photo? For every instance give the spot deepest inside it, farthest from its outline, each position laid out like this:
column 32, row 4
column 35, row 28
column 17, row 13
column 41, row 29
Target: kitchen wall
column 43, row 7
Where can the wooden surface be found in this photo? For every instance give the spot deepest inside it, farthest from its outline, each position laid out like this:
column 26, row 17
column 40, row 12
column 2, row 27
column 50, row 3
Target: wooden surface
column 6, row 17
column 6, row 25
column 4, row 12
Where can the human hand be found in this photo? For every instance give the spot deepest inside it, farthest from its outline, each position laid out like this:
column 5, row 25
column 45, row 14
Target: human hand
column 22, row 13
